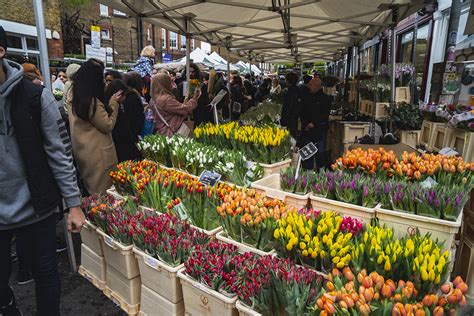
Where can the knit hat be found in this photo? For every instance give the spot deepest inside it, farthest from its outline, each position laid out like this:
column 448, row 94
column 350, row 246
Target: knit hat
column 3, row 38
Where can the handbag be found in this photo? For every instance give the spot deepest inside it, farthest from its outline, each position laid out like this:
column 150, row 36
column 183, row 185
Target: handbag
column 183, row 130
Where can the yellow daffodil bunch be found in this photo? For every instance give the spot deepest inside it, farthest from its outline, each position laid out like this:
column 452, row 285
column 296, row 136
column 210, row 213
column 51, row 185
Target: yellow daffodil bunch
column 267, row 144
column 315, row 240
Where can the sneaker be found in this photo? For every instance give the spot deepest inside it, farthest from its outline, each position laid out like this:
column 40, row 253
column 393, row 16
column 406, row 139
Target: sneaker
column 60, row 245
column 10, row 309
column 24, row 277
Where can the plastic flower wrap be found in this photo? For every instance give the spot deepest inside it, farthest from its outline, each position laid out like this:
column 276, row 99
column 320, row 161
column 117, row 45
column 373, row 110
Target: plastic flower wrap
column 319, row 241
column 165, row 237
column 250, row 217
column 268, row 144
column 348, row 293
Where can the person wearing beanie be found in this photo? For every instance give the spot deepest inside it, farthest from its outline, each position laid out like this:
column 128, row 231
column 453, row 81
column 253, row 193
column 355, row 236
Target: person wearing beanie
column 36, row 174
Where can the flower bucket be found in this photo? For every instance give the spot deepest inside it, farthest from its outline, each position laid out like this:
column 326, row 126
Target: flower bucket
column 244, row 310
column 410, row 137
column 119, row 256
column 151, row 303
column 112, row 191
column 269, row 169
column 122, row 291
column 271, row 186
column 427, row 133
column 92, row 267
column 402, row 94
column 159, row 277
column 91, row 239
column 365, row 214
column 353, row 130
column 222, row 236
column 201, row 300
column 406, row 223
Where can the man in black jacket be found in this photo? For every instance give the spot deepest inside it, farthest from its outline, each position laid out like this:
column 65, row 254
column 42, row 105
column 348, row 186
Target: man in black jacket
column 291, row 108
column 316, row 106
column 36, row 172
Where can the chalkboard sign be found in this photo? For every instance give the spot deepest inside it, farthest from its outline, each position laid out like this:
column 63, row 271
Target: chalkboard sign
column 209, row 177
column 308, row 151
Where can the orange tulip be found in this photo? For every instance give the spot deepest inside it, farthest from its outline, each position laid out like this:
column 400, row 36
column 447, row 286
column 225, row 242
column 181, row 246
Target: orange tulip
column 438, row 311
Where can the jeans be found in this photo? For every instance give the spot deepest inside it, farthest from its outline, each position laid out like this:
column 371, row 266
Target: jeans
column 40, row 242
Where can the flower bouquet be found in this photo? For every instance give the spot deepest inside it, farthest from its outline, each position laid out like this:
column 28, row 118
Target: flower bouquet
column 193, row 85
column 58, row 94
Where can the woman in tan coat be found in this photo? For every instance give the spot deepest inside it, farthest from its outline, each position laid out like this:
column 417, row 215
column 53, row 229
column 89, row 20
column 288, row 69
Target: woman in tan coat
column 91, row 122
column 171, row 110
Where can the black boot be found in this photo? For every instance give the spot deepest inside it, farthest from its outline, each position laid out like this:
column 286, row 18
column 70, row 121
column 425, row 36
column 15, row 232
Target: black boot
column 10, row 309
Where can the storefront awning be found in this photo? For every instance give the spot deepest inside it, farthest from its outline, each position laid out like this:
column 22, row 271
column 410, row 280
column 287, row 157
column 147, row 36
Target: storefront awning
column 275, row 30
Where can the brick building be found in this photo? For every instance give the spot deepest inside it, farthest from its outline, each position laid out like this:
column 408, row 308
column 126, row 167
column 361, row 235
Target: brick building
column 119, row 32
column 18, row 19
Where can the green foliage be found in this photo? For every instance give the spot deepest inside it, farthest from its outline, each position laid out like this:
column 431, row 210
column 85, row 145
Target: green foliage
column 76, row 3
column 406, row 117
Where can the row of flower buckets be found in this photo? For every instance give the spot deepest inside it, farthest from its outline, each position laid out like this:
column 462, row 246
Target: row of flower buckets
column 143, row 285
column 402, row 223
column 436, row 136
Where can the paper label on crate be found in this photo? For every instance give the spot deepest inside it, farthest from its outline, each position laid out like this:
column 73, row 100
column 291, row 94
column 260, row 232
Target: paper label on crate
column 109, row 241
column 308, row 151
column 428, row 183
column 180, row 210
column 151, row 262
column 209, row 178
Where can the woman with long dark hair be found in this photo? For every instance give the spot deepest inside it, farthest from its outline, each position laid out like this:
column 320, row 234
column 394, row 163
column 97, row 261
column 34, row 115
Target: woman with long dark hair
column 123, row 135
column 92, row 120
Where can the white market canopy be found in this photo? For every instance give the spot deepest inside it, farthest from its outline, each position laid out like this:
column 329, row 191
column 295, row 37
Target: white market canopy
column 274, row 30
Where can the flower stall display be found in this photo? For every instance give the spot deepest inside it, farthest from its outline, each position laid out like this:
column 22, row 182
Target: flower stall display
column 129, row 173
column 406, row 117
column 267, row 145
column 363, row 293
column 250, row 218
column 375, row 90
column 319, row 240
column 194, row 157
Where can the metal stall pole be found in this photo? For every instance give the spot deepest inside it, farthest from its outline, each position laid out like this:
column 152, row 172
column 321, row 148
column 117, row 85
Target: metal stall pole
column 42, row 43
column 414, row 55
column 393, row 59
column 188, row 52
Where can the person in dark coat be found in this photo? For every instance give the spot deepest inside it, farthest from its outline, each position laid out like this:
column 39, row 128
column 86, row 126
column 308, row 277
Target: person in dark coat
column 122, row 134
column 133, row 104
column 316, row 106
column 237, row 95
column 291, row 108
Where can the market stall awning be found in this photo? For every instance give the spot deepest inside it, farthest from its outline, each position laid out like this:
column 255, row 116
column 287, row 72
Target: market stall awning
column 275, row 30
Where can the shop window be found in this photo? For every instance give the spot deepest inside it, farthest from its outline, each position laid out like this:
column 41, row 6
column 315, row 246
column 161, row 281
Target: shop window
column 32, row 43
column 14, row 41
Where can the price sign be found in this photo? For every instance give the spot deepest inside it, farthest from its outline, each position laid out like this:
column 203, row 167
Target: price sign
column 448, row 152
column 218, row 98
column 209, row 177
column 308, row 151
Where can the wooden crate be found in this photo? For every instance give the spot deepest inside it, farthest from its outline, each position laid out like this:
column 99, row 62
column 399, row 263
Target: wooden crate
column 402, row 94
column 410, row 137
column 462, row 142
column 427, row 133
column 439, row 138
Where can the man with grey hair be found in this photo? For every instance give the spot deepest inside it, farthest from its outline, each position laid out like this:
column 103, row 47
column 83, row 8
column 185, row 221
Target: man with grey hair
column 316, row 106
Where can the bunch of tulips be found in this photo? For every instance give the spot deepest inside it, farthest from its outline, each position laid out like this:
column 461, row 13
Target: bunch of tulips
column 321, row 241
column 349, row 293
column 251, row 218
